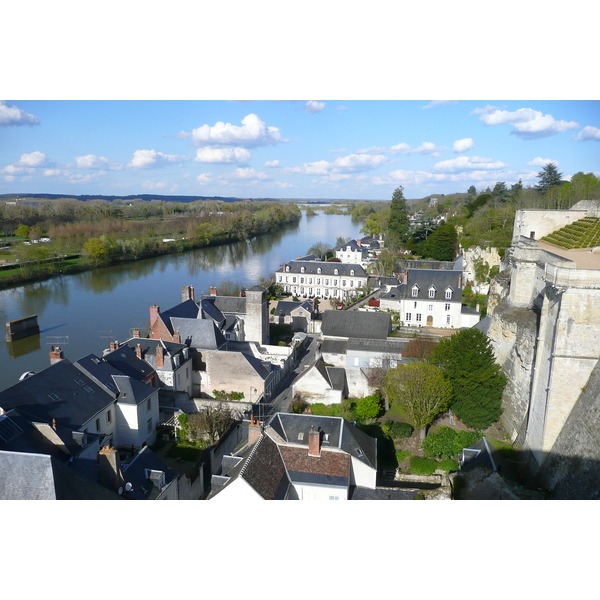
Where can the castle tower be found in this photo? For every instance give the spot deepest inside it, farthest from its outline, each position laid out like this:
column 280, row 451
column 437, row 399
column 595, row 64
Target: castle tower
column 256, row 323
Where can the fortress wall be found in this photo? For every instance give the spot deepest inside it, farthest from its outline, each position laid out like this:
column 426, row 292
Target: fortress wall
column 543, row 222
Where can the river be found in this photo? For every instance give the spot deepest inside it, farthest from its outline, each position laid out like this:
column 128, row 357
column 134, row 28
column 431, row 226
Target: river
column 81, row 313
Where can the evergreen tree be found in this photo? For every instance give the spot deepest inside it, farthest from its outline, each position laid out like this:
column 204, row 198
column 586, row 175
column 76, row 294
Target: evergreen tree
column 472, row 191
column 549, row 177
column 468, row 362
column 442, row 244
column 515, row 190
column 500, row 191
column 398, row 223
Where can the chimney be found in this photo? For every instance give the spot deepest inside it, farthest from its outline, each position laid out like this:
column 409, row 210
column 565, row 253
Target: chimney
column 160, row 355
column 54, row 424
column 254, row 430
column 358, row 242
column 212, row 291
column 187, row 293
column 113, row 345
column 177, row 337
column 460, row 280
column 154, row 310
column 314, row 442
column 56, row 354
column 138, row 351
column 136, row 332
column 109, row 469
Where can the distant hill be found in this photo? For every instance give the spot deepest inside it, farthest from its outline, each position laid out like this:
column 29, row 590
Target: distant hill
column 149, row 197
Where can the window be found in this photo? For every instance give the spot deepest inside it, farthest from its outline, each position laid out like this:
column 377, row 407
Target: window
column 334, row 497
column 279, row 278
column 287, row 269
column 359, row 284
column 335, row 271
column 149, row 404
column 310, row 280
column 352, row 272
column 418, row 318
column 327, row 282
column 318, row 281
column 415, row 291
column 408, row 316
column 448, row 294
column 108, row 416
column 293, row 280
column 286, row 279
column 335, row 282
column 301, row 279
column 150, row 425
column 301, row 269
column 97, row 424
column 415, row 306
column 432, row 292
column 351, row 283
column 448, row 320
column 430, row 307
column 344, row 283
column 447, row 306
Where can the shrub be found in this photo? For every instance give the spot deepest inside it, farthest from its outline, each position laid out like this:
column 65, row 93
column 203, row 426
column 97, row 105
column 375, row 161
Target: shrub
column 448, row 443
column 368, row 407
column 448, row 465
column 399, row 429
column 422, row 466
column 401, row 455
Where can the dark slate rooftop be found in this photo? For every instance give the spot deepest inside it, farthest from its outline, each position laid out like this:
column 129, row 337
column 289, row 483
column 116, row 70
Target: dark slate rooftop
column 199, row 333
column 62, row 391
column 334, row 346
column 294, row 428
column 264, row 470
column 125, row 360
column 185, row 310
column 285, row 307
column 356, row 324
column 148, row 347
column 229, row 304
column 379, row 493
column 390, row 346
column 327, row 268
column 337, row 378
column 359, row 444
column 136, row 474
column 210, row 311
column 424, row 279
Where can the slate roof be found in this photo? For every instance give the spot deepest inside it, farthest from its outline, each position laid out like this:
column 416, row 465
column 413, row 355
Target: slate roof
column 356, row 324
column 327, row 268
column 125, row 360
column 199, row 333
column 337, row 378
column 29, row 476
column 265, row 471
column 135, row 473
column 377, row 346
column 185, row 310
column 285, row 307
column 228, row 304
column 334, row 346
column 424, row 279
column 71, row 404
column 211, row 311
column 331, row 468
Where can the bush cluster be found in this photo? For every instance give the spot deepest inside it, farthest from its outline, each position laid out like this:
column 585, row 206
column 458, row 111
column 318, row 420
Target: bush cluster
column 448, row 443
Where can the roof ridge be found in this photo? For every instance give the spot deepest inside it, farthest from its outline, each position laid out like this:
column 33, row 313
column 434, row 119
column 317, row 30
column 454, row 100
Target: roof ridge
column 252, row 452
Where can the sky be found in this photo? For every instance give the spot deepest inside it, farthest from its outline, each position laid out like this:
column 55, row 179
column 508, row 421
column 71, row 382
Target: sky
column 347, row 149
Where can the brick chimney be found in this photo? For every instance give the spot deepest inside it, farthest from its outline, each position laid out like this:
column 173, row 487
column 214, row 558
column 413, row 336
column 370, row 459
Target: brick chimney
column 177, row 337
column 113, row 345
column 154, row 310
column 212, row 290
column 138, row 351
column 187, row 293
column 136, row 332
column 109, row 469
column 314, row 442
column 160, row 355
column 56, row 354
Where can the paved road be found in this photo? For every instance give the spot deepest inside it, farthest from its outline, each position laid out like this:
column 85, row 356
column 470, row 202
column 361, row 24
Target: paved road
column 281, row 402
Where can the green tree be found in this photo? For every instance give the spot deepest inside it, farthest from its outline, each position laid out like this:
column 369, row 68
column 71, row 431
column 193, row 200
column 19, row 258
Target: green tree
column 22, row 231
column 95, row 250
column 420, row 390
column 368, row 407
column 500, row 192
column 467, row 361
column 549, row 177
column 442, row 244
column 398, row 223
column 472, row 191
column 320, row 250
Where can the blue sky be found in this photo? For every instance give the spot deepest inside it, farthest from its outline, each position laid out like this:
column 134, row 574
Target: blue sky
column 355, row 149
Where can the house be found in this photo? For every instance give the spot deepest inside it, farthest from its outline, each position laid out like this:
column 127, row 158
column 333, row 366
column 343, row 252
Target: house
column 430, row 297
column 148, row 478
column 356, row 324
column 319, row 279
column 320, row 383
column 88, row 396
column 297, row 314
column 298, row 457
column 353, row 252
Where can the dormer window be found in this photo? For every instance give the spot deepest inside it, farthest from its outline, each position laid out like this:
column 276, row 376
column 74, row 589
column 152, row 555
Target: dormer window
column 335, row 271
column 319, row 271
column 287, row 269
column 448, row 293
column 351, row 272
column 432, row 292
column 415, row 291
column 301, row 269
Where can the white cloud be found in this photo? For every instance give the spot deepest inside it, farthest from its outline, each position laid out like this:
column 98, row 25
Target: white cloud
column 485, row 110
column 352, row 163
column 151, row 159
column 342, row 107
column 588, row 133
column 272, row 163
column 90, row 161
column 204, row 178
column 33, row 159
column 91, row 177
column 56, row 173
column 426, row 148
column 312, row 106
column 319, row 167
column 528, row 123
column 222, row 155
column 155, row 185
column 11, row 115
column 9, row 178
column 434, row 103
column 247, row 174
column 463, row 145
column 468, row 162
column 542, row 162
column 252, row 134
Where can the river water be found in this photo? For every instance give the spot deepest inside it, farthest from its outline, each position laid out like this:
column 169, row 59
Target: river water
column 81, row 313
